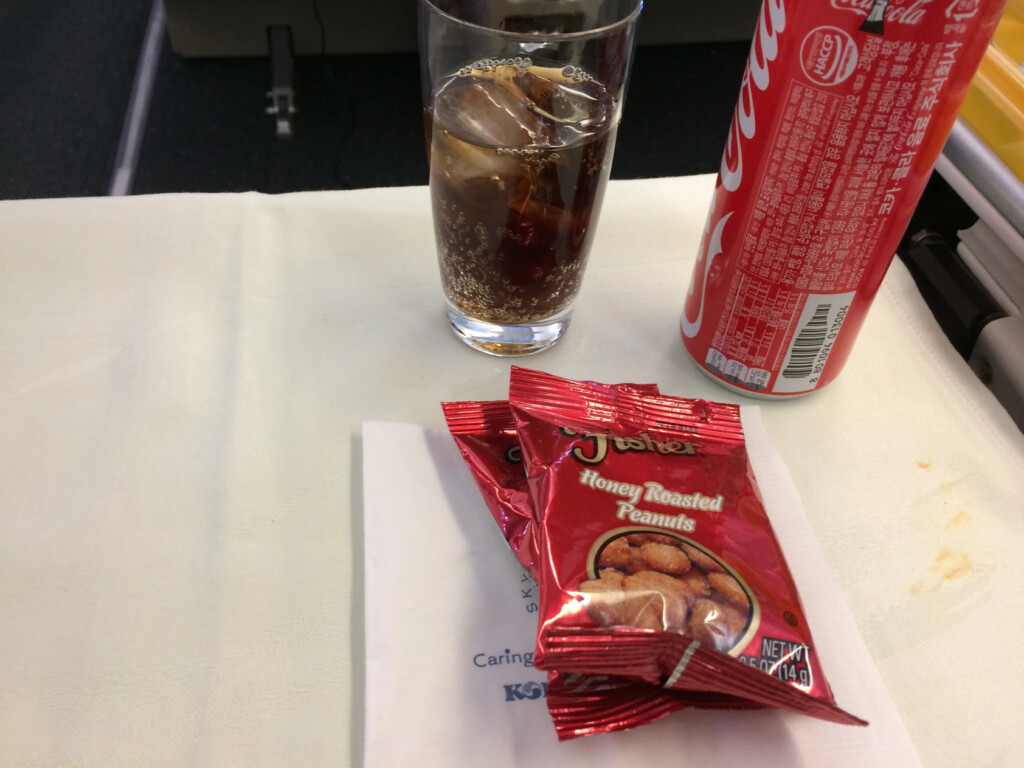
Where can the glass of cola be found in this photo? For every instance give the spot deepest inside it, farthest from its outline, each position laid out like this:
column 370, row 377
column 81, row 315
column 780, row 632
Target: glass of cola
column 522, row 99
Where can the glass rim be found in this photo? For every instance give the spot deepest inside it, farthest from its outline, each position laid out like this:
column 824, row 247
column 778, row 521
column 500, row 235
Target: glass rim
column 537, row 36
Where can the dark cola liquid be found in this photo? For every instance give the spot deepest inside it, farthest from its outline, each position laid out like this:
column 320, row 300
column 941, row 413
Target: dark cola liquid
column 519, row 159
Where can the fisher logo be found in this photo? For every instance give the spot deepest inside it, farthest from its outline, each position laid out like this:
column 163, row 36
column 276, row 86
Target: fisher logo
column 828, row 55
column 525, row 691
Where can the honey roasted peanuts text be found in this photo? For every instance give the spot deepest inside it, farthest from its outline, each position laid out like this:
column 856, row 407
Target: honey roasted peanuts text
column 632, row 494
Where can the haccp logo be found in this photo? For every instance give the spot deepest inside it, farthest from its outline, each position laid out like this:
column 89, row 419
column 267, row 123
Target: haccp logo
column 828, row 55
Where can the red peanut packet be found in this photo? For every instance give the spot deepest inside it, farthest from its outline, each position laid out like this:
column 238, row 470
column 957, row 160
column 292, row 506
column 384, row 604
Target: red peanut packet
column 657, row 561
column 485, row 433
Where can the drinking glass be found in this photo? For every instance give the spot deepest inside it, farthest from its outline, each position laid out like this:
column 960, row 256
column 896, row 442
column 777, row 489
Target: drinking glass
column 522, row 100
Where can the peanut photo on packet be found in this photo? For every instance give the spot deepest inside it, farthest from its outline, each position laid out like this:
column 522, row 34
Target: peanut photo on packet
column 653, row 579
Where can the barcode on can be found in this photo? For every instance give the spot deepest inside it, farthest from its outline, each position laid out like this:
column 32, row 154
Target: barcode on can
column 812, row 341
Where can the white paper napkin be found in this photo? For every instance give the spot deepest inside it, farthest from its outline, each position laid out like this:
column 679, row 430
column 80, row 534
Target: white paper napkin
column 451, row 621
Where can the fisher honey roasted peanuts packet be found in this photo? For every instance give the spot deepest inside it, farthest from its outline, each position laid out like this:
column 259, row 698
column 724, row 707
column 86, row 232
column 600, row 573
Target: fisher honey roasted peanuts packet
column 484, row 432
column 657, row 558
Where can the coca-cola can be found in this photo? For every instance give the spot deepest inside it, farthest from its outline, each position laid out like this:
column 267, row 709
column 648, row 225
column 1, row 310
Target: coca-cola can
column 843, row 109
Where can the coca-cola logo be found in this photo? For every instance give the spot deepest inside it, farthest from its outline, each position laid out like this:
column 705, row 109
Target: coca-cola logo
column 828, row 55
column 897, row 11
column 711, row 248
column 763, row 51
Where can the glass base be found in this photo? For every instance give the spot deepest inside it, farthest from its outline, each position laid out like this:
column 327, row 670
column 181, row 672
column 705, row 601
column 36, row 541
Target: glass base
column 508, row 340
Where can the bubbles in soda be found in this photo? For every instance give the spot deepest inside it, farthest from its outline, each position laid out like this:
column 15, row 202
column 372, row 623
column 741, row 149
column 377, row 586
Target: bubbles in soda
column 519, row 159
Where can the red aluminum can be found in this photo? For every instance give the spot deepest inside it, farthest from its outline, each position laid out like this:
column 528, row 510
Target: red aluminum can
column 843, row 109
